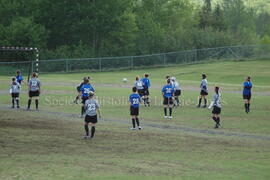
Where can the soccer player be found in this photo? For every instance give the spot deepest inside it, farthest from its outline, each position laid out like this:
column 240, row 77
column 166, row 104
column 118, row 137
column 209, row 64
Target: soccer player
column 168, row 92
column 19, row 77
column 146, row 85
column 139, row 86
column 84, row 93
column 15, row 92
column 247, row 93
column 216, row 104
column 177, row 91
column 204, row 91
column 92, row 108
column 135, row 100
column 34, row 87
column 78, row 88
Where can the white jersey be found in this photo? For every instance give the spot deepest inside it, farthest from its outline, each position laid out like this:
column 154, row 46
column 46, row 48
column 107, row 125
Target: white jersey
column 34, row 84
column 15, row 87
column 91, row 106
column 204, row 84
column 138, row 84
column 216, row 99
column 176, row 86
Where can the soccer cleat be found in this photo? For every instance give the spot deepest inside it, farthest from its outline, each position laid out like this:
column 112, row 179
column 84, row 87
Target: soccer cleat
column 216, row 126
column 18, row 107
column 139, row 127
column 132, row 128
column 165, row 117
column 170, row 117
column 86, row 137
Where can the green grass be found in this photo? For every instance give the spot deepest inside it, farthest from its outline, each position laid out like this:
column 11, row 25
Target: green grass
column 38, row 145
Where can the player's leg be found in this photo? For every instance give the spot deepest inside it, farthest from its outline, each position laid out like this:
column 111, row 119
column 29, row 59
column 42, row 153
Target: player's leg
column 36, row 100
column 170, row 106
column 86, row 128
column 29, row 100
column 93, row 129
column 246, row 104
column 165, row 105
column 17, row 101
column 12, row 100
column 200, row 101
column 138, row 122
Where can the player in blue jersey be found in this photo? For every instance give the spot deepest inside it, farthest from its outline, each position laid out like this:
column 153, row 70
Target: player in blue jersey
column 168, row 93
column 19, row 77
column 247, row 93
column 78, row 88
column 135, row 100
column 146, row 85
column 86, row 88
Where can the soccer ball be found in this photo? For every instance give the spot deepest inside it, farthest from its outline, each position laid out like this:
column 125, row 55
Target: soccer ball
column 124, row 80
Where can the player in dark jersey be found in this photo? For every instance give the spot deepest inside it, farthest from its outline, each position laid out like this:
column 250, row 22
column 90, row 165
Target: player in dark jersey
column 146, row 86
column 216, row 104
column 19, row 77
column 15, row 88
column 204, row 91
column 84, row 93
column 247, row 86
column 135, row 100
column 78, row 88
column 92, row 109
column 34, row 87
column 168, row 93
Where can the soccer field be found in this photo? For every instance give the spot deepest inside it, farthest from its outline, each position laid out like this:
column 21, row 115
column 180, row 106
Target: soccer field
column 48, row 144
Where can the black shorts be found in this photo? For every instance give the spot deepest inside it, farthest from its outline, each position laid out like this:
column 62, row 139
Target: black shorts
column 84, row 99
column 204, row 93
column 33, row 93
column 177, row 93
column 134, row 111
column 90, row 119
column 167, row 101
column 15, row 95
column 145, row 92
column 248, row 97
column 216, row 110
column 140, row 92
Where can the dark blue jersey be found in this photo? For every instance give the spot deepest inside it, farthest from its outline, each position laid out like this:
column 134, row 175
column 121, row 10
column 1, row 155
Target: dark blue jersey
column 247, row 88
column 19, row 79
column 146, row 82
column 135, row 100
column 168, row 91
column 85, row 89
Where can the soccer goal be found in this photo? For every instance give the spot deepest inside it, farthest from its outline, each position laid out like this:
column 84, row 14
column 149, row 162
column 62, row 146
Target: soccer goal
column 25, row 59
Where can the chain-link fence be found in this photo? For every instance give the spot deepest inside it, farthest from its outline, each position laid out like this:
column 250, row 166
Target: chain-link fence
column 134, row 62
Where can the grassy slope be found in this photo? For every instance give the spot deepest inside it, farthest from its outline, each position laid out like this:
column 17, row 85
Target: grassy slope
column 45, row 147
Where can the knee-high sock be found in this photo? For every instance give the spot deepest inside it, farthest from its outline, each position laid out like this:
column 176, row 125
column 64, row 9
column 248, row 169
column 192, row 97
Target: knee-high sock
column 29, row 103
column 93, row 130
column 200, row 101
column 13, row 102
column 215, row 119
column 218, row 120
column 177, row 100
column 36, row 101
column 170, row 109
column 246, row 106
column 205, row 101
column 133, row 122
column 86, row 130
column 137, row 121
column 17, row 102
column 165, row 111
column 147, row 100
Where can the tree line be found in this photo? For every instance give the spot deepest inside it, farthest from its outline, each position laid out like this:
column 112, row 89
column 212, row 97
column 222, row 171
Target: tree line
column 101, row 28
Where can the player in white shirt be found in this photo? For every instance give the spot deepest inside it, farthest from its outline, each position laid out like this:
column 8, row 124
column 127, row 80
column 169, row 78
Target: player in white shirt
column 15, row 88
column 204, row 91
column 177, row 91
column 216, row 104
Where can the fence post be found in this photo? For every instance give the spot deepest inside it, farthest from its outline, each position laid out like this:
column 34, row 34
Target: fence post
column 32, row 64
column 164, row 60
column 131, row 63
column 66, row 65
column 100, row 67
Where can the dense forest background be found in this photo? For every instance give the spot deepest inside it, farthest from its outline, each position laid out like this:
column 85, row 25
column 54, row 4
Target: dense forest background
column 101, row 28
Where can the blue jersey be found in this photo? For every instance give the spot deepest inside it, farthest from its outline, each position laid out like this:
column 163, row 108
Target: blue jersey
column 146, row 82
column 247, row 88
column 85, row 89
column 168, row 91
column 135, row 100
column 19, row 79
